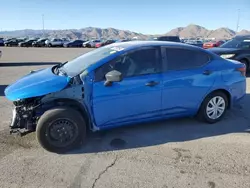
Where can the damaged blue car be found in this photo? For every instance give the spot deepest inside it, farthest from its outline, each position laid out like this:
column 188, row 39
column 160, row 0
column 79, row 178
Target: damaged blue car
column 121, row 84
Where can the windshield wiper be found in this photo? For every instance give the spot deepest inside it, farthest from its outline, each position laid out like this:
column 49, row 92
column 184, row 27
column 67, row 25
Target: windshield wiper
column 59, row 69
column 61, row 64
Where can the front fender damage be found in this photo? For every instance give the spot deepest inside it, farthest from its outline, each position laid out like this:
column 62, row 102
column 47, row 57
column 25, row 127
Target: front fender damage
column 24, row 115
column 27, row 112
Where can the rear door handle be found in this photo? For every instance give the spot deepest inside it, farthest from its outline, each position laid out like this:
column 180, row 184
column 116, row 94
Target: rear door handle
column 151, row 83
column 207, row 72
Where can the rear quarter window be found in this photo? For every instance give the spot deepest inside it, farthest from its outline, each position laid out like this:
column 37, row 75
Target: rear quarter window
column 181, row 59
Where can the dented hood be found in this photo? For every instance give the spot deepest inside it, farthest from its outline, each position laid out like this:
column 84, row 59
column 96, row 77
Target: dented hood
column 37, row 83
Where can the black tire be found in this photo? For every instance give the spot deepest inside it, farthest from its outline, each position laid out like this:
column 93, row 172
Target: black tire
column 46, row 129
column 203, row 115
column 49, row 45
column 246, row 64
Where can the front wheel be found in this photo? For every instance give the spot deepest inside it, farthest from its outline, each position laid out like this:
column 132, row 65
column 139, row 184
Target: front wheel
column 61, row 129
column 213, row 107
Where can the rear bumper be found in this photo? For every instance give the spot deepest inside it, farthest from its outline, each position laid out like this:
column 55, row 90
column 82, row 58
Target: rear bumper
column 238, row 92
column 238, row 100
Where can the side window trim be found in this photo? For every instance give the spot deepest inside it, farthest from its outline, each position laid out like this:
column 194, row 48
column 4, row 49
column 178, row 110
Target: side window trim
column 165, row 61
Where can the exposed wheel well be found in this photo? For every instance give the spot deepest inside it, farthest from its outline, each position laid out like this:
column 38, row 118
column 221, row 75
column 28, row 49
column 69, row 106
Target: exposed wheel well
column 226, row 93
column 77, row 106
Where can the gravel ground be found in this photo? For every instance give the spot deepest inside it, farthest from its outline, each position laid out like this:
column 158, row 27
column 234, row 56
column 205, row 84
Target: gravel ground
column 170, row 154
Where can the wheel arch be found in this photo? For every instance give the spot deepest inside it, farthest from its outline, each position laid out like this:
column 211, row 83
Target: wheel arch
column 75, row 105
column 226, row 92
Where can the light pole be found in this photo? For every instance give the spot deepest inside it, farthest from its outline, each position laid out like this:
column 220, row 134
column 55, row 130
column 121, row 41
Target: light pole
column 43, row 23
column 238, row 21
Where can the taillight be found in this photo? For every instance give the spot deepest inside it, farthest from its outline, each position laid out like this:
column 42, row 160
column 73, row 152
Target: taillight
column 242, row 70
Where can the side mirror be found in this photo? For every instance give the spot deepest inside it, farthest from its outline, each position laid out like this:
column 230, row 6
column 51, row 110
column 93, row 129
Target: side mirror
column 113, row 76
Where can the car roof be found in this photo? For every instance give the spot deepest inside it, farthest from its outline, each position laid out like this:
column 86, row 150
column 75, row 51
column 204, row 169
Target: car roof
column 136, row 44
column 130, row 45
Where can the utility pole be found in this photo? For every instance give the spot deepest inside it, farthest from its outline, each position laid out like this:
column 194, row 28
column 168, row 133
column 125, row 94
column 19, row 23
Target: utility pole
column 43, row 23
column 238, row 21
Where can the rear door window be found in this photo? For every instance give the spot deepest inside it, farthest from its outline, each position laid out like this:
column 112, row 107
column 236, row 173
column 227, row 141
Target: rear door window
column 181, row 59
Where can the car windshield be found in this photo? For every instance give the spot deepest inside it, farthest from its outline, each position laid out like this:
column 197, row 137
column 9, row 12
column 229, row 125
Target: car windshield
column 81, row 63
column 234, row 43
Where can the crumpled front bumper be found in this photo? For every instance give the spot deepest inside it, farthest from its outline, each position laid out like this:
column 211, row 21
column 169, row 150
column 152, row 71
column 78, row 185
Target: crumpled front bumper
column 20, row 123
column 14, row 120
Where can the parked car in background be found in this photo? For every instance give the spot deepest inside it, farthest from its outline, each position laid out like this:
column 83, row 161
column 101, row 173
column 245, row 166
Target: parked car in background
column 0, row 53
column 212, row 44
column 98, row 45
column 104, row 43
column 91, row 43
column 237, row 49
column 168, row 38
column 27, row 43
column 13, row 42
column 183, row 40
column 121, row 84
column 39, row 42
column 124, row 40
column 195, row 43
column 55, row 42
column 75, row 43
column 1, row 42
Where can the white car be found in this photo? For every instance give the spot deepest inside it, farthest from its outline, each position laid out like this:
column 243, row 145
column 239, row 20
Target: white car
column 55, row 42
column 90, row 43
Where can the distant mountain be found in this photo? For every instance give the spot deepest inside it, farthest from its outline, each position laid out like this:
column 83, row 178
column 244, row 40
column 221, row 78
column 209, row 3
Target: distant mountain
column 199, row 31
column 84, row 33
column 244, row 32
column 191, row 30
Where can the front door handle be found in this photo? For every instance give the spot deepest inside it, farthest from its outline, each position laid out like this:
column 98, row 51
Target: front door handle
column 207, row 72
column 151, row 83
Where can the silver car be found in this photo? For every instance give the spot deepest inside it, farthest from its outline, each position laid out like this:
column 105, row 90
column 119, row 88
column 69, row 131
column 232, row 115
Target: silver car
column 90, row 44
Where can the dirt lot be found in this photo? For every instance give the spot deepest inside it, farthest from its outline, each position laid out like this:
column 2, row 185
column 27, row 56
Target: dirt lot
column 169, row 154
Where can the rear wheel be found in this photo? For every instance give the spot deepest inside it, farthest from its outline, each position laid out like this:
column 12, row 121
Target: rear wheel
column 213, row 107
column 61, row 129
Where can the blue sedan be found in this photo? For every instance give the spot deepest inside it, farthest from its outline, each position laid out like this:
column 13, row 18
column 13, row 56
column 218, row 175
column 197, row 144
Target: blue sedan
column 122, row 84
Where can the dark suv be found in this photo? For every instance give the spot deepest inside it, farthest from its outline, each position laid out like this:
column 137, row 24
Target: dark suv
column 237, row 49
column 168, row 38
